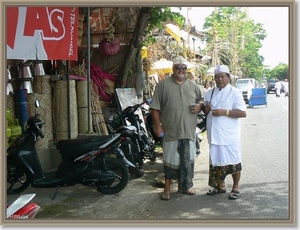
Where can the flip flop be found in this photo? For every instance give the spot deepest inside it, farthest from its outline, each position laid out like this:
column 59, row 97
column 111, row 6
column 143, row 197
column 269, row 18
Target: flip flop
column 234, row 194
column 189, row 192
column 215, row 191
column 165, row 196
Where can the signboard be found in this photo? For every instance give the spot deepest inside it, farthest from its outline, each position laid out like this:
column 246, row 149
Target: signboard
column 128, row 97
column 42, row 33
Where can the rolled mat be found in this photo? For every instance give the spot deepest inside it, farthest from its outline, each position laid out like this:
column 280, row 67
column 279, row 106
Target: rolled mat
column 42, row 84
column 45, row 112
column 82, row 103
column 61, row 111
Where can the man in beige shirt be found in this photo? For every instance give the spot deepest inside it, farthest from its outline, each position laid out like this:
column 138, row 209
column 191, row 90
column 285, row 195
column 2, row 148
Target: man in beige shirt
column 175, row 118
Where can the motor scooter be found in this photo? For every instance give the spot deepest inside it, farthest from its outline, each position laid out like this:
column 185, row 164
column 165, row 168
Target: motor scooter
column 129, row 124
column 150, row 124
column 89, row 161
column 21, row 208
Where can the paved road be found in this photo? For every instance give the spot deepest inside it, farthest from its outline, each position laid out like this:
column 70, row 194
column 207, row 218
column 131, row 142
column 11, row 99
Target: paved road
column 264, row 186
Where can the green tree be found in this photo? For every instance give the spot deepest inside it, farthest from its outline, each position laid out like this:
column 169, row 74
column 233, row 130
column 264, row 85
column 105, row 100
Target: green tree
column 234, row 40
column 149, row 18
column 280, row 71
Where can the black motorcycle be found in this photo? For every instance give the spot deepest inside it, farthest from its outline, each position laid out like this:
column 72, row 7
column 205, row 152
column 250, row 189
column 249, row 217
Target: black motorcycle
column 141, row 146
column 150, row 124
column 85, row 161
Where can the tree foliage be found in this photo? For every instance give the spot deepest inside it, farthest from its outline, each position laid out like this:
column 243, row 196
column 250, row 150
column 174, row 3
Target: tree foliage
column 160, row 46
column 158, row 18
column 234, row 40
column 280, row 71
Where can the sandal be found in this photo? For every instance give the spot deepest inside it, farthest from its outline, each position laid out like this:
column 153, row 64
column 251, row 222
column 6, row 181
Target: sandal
column 165, row 196
column 234, row 194
column 189, row 192
column 215, row 191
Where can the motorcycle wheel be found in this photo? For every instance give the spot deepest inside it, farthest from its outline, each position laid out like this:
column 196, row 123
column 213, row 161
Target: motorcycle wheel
column 18, row 179
column 135, row 159
column 116, row 168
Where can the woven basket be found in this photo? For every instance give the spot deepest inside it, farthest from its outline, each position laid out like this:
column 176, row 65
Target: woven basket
column 45, row 112
column 42, row 84
column 42, row 143
column 10, row 105
column 83, row 126
column 61, row 110
column 82, row 103
column 82, row 94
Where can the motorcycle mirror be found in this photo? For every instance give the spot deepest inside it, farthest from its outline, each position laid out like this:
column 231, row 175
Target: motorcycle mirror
column 37, row 103
column 111, row 118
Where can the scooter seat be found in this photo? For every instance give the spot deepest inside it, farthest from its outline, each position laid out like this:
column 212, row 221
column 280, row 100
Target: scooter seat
column 70, row 149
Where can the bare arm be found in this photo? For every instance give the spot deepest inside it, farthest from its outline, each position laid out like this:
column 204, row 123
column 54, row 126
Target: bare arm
column 157, row 124
column 229, row 113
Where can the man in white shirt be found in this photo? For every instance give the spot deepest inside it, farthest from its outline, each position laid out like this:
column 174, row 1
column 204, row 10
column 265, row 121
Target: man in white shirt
column 286, row 87
column 224, row 105
column 277, row 87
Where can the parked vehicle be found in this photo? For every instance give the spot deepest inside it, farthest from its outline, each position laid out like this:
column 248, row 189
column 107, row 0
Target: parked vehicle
column 150, row 124
column 246, row 85
column 271, row 86
column 130, row 124
column 85, row 161
column 21, row 208
column 132, row 149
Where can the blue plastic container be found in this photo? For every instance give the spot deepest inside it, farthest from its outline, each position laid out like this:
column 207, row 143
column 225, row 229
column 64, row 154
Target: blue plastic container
column 258, row 97
column 21, row 106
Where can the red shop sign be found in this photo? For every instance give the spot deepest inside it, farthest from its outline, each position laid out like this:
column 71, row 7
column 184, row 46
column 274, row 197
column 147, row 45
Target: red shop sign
column 42, row 33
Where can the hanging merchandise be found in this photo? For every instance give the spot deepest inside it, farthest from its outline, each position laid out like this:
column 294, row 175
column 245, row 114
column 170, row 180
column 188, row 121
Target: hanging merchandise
column 25, row 77
column 103, row 81
column 38, row 68
column 9, row 87
column 110, row 45
column 109, row 48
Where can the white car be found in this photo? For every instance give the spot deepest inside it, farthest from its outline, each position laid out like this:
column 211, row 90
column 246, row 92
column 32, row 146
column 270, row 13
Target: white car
column 246, row 85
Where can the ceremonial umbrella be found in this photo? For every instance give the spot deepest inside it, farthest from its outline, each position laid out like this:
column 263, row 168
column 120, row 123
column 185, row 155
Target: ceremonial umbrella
column 164, row 66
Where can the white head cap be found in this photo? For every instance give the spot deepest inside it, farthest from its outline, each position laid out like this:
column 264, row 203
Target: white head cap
column 180, row 60
column 221, row 69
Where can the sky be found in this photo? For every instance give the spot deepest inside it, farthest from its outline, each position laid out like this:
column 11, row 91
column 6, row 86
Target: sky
column 275, row 47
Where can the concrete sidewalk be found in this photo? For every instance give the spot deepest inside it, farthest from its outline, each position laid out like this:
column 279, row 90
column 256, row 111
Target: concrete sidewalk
column 140, row 201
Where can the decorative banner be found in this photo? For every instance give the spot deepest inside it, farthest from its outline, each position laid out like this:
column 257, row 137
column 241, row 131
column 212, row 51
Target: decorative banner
column 42, row 33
